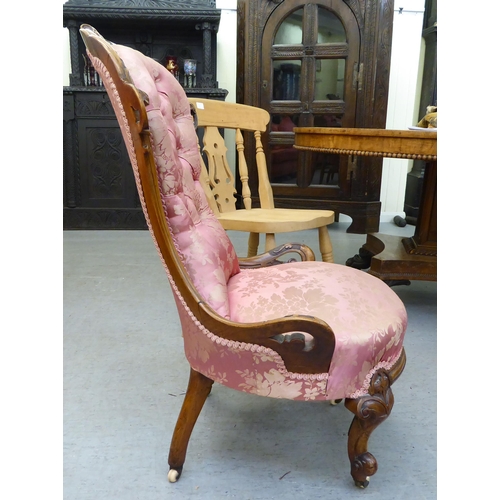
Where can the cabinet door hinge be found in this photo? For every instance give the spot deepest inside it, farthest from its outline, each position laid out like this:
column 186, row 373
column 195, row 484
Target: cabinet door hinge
column 352, row 166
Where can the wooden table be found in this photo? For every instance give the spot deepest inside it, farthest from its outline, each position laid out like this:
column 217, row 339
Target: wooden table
column 391, row 258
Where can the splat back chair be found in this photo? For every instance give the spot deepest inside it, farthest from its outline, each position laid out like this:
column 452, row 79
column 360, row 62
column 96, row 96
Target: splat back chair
column 301, row 330
column 220, row 188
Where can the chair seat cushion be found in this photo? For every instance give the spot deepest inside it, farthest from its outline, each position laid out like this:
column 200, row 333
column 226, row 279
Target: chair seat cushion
column 367, row 317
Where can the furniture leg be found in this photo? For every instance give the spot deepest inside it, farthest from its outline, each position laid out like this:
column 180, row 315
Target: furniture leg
column 325, row 244
column 270, row 242
column 362, row 260
column 253, row 244
column 369, row 412
column 199, row 388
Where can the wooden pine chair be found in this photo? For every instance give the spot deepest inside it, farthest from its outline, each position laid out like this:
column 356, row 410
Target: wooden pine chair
column 213, row 115
column 307, row 330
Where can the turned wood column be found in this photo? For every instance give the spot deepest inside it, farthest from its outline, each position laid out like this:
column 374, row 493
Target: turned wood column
column 74, row 77
column 207, row 75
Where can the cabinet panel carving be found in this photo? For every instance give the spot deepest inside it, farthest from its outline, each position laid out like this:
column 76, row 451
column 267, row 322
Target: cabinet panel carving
column 99, row 189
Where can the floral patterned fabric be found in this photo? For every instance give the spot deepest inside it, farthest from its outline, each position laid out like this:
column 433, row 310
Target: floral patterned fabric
column 367, row 317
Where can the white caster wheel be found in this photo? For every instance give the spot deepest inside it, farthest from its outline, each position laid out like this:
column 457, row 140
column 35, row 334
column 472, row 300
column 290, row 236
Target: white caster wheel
column 335, row 402
column 173, row 475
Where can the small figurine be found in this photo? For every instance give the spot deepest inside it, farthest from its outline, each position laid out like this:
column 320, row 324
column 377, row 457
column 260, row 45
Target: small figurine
column 430, row 120
column 172, row 66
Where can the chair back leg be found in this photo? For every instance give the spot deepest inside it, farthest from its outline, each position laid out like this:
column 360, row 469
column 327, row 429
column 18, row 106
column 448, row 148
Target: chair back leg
column 270, row 242
column 325, row 244
column 199, row 388
column 253, row 244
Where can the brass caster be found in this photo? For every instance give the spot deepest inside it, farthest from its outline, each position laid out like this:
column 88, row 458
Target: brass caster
column 174, row 475
column 363, row 484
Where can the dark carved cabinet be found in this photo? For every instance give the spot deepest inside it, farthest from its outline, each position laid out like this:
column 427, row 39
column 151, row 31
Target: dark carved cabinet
column 99, row 189
column 318, row 63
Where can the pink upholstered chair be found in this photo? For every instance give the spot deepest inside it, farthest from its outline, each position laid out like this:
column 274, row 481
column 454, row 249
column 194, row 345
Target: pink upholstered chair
column 302, row 330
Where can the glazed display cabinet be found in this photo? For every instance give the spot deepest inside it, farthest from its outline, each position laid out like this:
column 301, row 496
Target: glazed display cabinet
column 320, row 63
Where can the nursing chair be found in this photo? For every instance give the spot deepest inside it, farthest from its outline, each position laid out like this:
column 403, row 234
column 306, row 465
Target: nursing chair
column 299, row 330
column 219, row 182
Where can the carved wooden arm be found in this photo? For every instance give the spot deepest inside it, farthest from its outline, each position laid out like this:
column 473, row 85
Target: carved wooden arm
column 283, row 335
column 271, row 258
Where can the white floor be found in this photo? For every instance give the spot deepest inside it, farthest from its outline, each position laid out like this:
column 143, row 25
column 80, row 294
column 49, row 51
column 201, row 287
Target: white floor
column 125, row 374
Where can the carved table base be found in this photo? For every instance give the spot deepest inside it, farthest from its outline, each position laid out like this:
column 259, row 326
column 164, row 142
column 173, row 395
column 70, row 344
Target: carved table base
column 387, row 258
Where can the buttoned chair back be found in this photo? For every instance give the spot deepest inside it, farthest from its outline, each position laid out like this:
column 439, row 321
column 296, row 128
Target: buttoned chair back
column 301, row 330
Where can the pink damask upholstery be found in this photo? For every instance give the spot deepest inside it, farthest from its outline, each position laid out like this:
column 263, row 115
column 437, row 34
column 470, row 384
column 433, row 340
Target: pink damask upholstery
column 202, row 243
column 367, row 317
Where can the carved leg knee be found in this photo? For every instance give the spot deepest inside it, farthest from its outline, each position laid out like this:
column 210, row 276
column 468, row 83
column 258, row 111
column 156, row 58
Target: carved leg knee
column 369, row 412
column 199, row 388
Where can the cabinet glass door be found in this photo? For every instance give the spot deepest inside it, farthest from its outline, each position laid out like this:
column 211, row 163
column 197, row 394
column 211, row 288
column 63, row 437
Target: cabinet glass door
column 308, row 81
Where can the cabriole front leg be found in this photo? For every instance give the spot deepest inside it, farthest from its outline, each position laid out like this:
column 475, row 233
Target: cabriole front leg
column 369, row 412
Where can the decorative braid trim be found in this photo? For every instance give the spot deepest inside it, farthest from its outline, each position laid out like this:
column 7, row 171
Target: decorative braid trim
column 231, row 344
column 386, row 365
column 244, row 346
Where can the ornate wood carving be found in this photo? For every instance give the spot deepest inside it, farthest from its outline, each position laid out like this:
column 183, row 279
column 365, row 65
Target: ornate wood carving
column 99, row 191
column 358, row 190
column 143, row 9
column 240, row 50
column 98, row 218
column 207, row 77
column 106, row 175
column 272, row 257
column 359, row 8
column 94, row 107
column 69, row 151
column 369, row 412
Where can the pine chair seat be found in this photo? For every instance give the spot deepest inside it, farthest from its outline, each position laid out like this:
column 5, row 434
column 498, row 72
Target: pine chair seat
column 275, row 220
column 305, row 330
